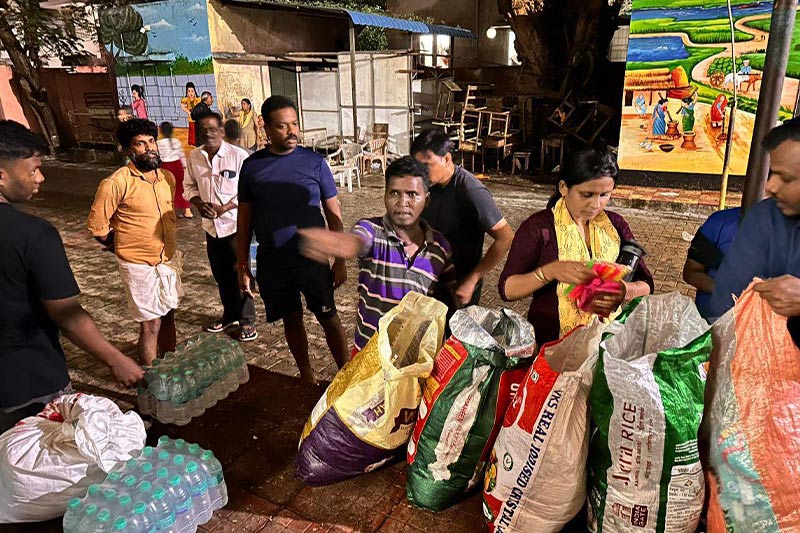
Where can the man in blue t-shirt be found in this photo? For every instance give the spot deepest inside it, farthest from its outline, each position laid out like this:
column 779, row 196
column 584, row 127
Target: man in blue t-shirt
column 708, row 248
column 281, row 188
column 767, row 244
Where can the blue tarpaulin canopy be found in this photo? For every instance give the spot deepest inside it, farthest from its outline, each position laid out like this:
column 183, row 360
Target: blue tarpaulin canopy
column 382, row 21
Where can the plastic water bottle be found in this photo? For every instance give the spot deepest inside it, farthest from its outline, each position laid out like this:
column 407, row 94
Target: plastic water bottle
column 72, row 516
column 217, row 490
column 194, row 451
column 162, row 477
column 179, row 445
column 164, row 458
column 182, row 501
column 180, row 401
column 142, row 520
column 145, row 491
column 114, row 477
column 128, row 483
column 109, row 503
column 93, row 494
column 198, row 490
column 88, row 518
column 145, row 399
column 164, row 442
column 147, row 453
column 125, row 505
column 162, row 389
column 103, row 523
column 120, row 524
column 195, row 406
column 163, row 511
column 146, row 471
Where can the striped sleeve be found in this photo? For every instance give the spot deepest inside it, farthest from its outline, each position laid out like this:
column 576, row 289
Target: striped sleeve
column 365, row 230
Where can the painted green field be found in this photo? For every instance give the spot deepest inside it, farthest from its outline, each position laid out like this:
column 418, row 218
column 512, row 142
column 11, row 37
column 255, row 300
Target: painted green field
column 696, row 55
column 699, row 31
column 181, row 65
column 757, row 59
column 655, row 4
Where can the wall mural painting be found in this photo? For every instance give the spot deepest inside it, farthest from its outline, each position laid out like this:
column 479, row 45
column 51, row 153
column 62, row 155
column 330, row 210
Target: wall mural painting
column 160, row 49
column 679, row 83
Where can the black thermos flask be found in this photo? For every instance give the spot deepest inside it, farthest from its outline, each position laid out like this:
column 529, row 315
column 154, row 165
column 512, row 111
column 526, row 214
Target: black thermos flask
column 630, row 253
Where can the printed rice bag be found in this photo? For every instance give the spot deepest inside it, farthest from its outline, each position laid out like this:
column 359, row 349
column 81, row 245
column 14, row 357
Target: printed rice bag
column 366, row 415
column 465, row 399
column 536, row 479
column 752, row 422
column 647, row 403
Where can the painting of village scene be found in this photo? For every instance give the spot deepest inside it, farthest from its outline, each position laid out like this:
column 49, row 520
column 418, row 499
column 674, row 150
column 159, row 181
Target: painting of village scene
column 679, row 84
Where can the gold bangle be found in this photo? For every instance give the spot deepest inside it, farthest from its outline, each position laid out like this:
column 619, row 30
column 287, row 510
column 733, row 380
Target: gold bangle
column 539, row 275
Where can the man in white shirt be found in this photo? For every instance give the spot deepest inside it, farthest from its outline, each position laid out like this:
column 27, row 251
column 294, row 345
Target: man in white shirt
column 212, row 186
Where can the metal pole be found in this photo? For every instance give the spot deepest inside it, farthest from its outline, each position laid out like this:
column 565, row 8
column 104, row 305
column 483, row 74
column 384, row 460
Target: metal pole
column 726, row 162
column 353, row 79
column 769, row 99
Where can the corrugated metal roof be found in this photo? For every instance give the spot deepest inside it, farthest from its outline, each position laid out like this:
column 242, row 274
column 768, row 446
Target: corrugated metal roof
column 413, row 26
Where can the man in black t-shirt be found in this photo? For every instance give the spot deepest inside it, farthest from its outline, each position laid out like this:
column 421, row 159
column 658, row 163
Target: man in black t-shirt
column 463, row 209
column 38, row 293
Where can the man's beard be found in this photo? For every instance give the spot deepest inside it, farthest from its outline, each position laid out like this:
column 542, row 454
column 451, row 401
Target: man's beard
column 147, row 161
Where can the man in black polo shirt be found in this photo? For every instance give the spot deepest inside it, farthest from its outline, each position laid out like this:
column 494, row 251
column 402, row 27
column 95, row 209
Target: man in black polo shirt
column 38, row 293
column 463, row 209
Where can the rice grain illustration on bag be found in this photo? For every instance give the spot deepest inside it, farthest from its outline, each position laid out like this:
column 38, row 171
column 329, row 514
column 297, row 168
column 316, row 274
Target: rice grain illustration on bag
column 752, row 422
column 647, row 403
column 367, row 414
column 536, row 479
column 465, row 399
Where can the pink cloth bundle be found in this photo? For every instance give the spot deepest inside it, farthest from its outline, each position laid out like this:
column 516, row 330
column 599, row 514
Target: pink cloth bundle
column 607, row 279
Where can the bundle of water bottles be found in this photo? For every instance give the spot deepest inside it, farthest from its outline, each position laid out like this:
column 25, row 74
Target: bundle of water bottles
column 174, row 488
column 201, row 372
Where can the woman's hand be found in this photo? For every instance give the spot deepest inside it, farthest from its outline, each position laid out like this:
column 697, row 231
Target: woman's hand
column 569, row 272
column 606, row 303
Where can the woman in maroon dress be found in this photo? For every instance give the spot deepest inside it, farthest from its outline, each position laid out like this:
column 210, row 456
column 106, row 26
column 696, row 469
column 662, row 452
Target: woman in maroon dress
column 552, row 248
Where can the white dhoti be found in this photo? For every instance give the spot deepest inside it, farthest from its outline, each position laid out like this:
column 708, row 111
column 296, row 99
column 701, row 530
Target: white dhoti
column 152, row 291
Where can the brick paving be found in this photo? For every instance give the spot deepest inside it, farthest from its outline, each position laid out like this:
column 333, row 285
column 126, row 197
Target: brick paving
column 262, row 421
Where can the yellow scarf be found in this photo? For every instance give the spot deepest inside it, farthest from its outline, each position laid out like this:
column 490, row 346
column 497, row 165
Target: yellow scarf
column 245, row 118
column 604, row 241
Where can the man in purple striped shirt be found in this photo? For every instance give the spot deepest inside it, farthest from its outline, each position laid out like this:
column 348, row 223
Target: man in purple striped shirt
column 397, row 253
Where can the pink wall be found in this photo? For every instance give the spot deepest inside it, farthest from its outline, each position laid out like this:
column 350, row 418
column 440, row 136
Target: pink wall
column 10, row 107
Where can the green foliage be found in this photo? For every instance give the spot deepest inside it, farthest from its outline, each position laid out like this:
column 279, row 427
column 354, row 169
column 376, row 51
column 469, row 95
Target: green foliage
column 49, row 33
column 181, row 65
column 724, row 65
column 699, row 31
column 655, row 4
column 121, row 27
column 757, row 58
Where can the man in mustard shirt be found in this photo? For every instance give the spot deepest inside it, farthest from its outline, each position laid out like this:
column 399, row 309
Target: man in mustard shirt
column 133, row 214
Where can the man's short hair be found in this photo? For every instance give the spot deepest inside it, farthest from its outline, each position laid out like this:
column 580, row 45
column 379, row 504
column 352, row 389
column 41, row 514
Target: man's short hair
column 434, row 141
column 232, row 129
column 133, row 127
column 788, row 131
column 18, row 142
column 408, row 166
column 213, row 114
column 275, row 103
column 205, row 95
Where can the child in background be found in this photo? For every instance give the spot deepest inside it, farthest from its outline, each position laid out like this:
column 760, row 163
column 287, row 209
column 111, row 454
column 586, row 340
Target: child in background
column 173, row 159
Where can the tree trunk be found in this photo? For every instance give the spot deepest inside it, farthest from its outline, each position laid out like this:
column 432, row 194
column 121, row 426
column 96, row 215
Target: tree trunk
column 28, row 76
column 558, row 42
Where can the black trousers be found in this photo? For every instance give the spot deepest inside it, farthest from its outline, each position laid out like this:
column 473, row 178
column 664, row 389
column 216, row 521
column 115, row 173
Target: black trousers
column 222, row 258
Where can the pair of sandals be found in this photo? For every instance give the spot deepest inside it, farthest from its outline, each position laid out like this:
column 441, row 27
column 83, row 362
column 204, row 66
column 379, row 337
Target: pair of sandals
column 248, row 332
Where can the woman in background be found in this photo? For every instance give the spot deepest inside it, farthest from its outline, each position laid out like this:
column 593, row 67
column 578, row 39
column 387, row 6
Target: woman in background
column 261, row 133
column 248, row 138
column 188, row 102
column 173, row 159
column 138, row 103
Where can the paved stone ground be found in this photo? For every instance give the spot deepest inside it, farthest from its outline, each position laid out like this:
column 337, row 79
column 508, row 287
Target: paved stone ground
column 66, row 196
column 254, row 432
